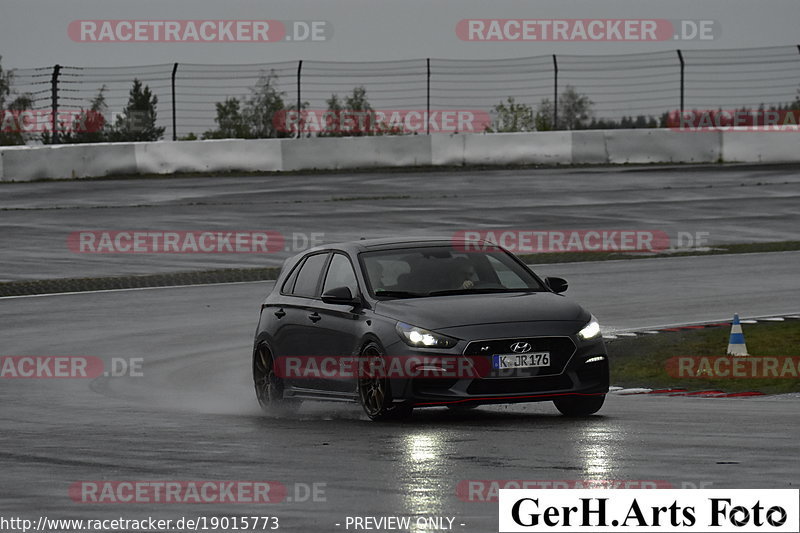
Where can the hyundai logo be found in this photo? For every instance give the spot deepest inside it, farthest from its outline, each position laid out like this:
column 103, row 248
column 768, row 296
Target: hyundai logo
column 521, row 347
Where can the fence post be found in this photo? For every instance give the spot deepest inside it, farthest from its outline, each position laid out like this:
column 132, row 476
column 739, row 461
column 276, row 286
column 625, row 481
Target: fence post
column 555, row 92
column 299, row 100
column 683, row 67
column 428, row 97
column 54, row 102
column 174, row 111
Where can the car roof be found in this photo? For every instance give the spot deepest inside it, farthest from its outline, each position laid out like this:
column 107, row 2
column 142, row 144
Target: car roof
column 390, row 243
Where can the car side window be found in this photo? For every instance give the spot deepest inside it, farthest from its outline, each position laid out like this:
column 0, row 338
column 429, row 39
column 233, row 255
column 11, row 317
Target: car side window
column 308, row 276
column 288, row 285
column 341, row 274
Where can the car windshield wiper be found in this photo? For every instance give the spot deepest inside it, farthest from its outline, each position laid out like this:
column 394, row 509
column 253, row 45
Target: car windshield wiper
column 479, row 291
column 399, row 294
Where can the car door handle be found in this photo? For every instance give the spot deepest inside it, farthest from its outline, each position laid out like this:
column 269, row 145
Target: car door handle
column 280, row 313
column 314, row 317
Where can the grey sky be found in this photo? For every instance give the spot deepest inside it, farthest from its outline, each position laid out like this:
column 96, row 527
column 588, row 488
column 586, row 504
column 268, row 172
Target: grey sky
column 34, row 32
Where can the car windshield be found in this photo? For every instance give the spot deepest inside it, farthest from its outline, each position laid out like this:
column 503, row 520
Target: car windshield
column 444, row 270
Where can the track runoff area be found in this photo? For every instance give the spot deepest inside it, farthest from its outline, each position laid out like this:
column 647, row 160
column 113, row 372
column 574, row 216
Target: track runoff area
column 166, row 365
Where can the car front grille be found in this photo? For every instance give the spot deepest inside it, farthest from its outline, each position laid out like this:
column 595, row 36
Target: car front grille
column 561, row 350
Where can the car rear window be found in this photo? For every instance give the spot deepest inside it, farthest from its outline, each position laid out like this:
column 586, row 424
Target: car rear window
column 308, row 277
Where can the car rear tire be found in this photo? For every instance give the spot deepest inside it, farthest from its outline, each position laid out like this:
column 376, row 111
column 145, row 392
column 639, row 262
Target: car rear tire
column 268, row 385
column 577, row 406
column 374, row 390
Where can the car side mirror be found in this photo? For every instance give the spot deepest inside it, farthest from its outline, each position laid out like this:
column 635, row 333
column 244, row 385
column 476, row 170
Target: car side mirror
column 557, row 285
column 340, row 296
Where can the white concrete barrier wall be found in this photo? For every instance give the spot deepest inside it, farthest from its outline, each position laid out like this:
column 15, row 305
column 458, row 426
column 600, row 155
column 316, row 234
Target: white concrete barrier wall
column 447, row 150
column 589, row 147
column 356, row 152
column 68, row 161
column 209, row 156
column 761, row 147
column 559, row 148
column 546, row 148
column 662, row 146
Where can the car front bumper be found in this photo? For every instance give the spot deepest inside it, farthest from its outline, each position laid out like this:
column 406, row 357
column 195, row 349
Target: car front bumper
column 582, row 371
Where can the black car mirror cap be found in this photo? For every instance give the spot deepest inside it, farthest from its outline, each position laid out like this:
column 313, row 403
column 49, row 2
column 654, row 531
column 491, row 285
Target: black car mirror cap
column 557, row 285
column 340, row 296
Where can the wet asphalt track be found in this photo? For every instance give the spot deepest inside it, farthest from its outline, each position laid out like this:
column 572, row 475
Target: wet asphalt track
column 732, row 205
column 192, row 415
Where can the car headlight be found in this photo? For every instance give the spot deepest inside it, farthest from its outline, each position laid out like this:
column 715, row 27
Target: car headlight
column 422, row 338
column 590, row 330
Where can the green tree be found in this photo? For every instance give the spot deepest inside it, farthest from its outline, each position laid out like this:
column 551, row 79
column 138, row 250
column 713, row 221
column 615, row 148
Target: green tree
column 354, row 117
column 511, row 116
column 795, row 105
column 334, row 103
column 261, row 115
column 357, row 101
column 574, row 112
column 138, row 120
column 231, row 123
column 544, row 116
column 10, row 107
column 333, row 114
column 261, row 108
column 302, row 127
column 88, row 127
column 663, row 120
column 574, row 109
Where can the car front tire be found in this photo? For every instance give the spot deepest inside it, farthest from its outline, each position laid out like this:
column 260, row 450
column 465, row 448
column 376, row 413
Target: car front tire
column 374, row 390
column 578, row 406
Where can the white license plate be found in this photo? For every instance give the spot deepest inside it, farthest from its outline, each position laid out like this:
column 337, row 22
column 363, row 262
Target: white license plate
column 527, row 360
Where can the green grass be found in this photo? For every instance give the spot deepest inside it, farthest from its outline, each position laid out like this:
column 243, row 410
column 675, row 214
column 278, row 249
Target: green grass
column 641, row 361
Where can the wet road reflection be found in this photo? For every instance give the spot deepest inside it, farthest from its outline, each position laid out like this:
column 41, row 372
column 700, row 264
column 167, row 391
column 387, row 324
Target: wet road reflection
column 596, row 448
column 425, row 487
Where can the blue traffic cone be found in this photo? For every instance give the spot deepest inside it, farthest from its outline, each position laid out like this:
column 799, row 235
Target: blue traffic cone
column 736, row 345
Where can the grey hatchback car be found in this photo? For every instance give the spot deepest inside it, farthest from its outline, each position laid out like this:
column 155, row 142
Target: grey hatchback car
column 399, row 324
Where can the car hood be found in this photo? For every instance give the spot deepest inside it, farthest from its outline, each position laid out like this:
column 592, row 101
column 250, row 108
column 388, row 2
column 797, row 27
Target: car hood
column 440, row 312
